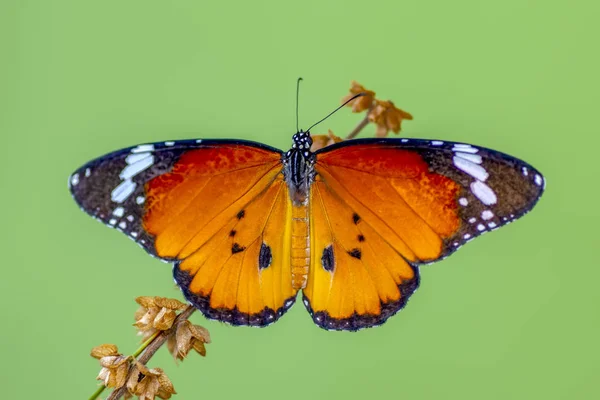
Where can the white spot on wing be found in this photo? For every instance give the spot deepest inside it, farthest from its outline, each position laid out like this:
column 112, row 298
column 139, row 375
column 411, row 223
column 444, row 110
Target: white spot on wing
column 403, row 140
column 475, row 170
column 467, row 148
column 466, row 236
column 169, row 143
column 199, row 141
column 492, row 224
column 140, row 199
column 135, row 157
column 463, row 202
column 487, row 214
column 143, row 148
column 484, row 193
column 130, row 218
column 133, row 169
column 112, row 221
column 87, row 172
column 475, row 158
column 123, row 191
column 122, row 225
column 480, row 227
column 74, row 179
column 118, row 212
column 538, row 180
column 472, row 220
column 525, row 172
column 436, row 143
column 133, row 234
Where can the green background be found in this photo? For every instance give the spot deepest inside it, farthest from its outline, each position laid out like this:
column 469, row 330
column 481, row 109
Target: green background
column 513, row 315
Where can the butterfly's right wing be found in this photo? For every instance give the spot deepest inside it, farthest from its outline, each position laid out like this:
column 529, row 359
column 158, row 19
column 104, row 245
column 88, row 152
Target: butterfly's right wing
column 218, row 209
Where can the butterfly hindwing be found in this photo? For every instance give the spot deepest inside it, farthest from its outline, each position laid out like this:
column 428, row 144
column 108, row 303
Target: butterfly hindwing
column 382, row 207
column 241, row 274
column 357, row 279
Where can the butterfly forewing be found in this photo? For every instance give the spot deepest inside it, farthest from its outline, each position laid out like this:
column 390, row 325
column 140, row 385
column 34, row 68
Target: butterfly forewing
column 433, row 195
column 120, row 187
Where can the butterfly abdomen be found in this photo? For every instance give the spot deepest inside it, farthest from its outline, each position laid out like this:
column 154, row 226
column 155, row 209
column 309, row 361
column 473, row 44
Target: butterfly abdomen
column 300, row 246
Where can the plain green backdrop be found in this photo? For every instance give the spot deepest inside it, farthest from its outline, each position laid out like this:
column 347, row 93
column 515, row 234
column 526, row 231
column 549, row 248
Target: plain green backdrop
column 512, row 315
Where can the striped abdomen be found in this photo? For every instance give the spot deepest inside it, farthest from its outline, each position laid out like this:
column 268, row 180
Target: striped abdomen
column 300, row 246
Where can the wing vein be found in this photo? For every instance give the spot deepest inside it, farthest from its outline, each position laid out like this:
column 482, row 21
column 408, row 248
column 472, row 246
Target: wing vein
column 375, row 215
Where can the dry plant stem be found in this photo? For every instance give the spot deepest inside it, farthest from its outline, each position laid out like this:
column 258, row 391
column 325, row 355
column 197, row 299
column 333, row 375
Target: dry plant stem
column 364, row 122
column 156, row 343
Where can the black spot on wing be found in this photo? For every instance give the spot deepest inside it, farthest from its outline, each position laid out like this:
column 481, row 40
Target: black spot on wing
column 241, row 214
column 264, row 257
column 232, row 233
column 355, row 218
column 327, row 260
column 356, row 253
column 236, row 248
column 361, row 238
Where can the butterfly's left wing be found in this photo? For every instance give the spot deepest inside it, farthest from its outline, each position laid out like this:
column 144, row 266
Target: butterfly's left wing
column 382, row 207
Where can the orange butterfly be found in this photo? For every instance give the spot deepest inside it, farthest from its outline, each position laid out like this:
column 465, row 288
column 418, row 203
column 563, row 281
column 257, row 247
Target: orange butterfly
column 247, row 226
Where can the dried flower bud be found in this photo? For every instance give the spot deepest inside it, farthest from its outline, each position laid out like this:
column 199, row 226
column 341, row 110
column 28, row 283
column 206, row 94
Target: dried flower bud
column 361, row 103
column 186, row 337
column 149, row 383
column 171, row 304
column 164, row 319
column 114, row 370
column 320, row 141
column 156, row 314
column 104, row 350
column 145, row 301
column 387, row 117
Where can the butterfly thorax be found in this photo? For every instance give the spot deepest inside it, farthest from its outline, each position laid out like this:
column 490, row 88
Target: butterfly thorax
column 298, row 168
column 299, row 174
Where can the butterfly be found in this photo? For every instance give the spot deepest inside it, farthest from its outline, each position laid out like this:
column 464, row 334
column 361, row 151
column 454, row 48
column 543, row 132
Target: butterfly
column 248, row 226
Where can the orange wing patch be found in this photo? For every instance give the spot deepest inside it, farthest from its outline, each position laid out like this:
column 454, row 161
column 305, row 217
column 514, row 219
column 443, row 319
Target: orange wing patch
column 357, row 279
column 413, row 208
column 225, row 219
column 205, row 188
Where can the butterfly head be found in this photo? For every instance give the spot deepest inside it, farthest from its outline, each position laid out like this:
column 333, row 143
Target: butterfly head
column 299, row 167
column 302, row 140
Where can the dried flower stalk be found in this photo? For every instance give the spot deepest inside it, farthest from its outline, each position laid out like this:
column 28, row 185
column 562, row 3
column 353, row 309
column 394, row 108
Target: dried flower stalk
column 152, row 348
column 383, row 113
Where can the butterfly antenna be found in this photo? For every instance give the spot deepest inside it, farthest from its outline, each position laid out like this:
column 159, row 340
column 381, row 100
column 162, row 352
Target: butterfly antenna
column 337, row 109
column 297, row 97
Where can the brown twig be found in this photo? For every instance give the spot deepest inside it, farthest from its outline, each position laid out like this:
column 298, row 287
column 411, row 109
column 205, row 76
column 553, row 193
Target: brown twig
column 152, row 348
column 364, row 122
